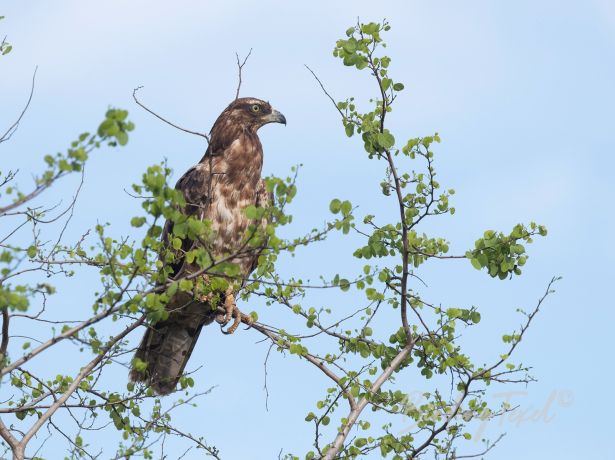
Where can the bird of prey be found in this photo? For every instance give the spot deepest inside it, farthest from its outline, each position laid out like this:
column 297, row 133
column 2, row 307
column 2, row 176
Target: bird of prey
column 217, row 189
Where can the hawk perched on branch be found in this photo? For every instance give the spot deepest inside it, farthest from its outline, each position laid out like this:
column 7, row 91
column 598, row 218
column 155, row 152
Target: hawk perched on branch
column 218, row 188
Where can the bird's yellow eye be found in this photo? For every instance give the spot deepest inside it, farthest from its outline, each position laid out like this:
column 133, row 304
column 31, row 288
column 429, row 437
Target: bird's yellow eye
column 256, row 108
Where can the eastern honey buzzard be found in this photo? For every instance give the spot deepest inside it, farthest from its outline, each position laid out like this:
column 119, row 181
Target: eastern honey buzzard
column 218, row 189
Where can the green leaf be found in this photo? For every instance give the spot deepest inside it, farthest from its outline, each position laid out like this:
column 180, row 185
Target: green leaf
column 349, row 128
column 122, row 138
column 137, row 221
column 386, row 139
column 346, row 207
column 335, row 206
column 32, row 252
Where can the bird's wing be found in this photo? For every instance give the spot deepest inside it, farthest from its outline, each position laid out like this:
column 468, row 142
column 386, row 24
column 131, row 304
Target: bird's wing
column 263, row 197
column 195, row 186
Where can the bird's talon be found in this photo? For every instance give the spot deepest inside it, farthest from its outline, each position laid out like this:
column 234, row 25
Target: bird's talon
column 237, row 316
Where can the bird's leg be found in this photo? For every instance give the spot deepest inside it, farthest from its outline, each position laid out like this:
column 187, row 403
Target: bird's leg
column 229, row 304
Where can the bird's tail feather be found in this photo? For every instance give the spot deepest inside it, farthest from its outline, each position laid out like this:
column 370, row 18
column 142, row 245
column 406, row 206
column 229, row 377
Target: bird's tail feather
column 167, row 346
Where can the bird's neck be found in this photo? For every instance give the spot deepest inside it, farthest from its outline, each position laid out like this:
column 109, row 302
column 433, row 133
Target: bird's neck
column 241, row 162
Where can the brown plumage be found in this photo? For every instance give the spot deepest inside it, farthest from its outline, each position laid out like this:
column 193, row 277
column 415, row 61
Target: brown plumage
column 218, row 188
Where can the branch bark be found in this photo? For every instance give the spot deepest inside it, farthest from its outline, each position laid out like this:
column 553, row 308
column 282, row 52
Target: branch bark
column 354, row 414
column 5, row 334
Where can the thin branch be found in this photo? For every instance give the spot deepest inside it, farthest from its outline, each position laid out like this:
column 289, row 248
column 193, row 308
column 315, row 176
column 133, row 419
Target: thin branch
column 318, row 362
column 480, row 375
column 45, row 345
column 240, row 68
column 196, row 133
column 480, row 454
column 11, row 130
column 265, row 384
column 325, row 91
column 5, row 334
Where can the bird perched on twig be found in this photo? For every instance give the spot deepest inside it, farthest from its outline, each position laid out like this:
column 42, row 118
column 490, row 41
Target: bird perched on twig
column 217, row 189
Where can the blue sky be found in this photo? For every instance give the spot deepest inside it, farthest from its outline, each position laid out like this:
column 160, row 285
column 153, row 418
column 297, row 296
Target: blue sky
column 521, row 93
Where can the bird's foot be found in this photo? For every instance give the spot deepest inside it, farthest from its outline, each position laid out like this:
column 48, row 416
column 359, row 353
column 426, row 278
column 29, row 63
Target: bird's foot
column 231, row 311
column 238, row 318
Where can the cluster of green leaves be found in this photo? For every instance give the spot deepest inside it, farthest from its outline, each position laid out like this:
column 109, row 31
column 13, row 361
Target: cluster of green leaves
column 358, row 50
column 502, row 255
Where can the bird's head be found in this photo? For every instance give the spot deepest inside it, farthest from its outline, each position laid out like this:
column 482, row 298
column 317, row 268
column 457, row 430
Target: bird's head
column 251, row 113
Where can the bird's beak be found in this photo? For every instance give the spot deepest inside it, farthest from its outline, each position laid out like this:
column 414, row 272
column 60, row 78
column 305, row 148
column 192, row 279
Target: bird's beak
column 275, row 117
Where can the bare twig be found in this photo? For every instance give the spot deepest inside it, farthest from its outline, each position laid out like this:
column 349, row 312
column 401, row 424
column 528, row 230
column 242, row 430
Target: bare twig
column 480, row 454
column 196, row 133
column 11, row 130
column 240, row 68
column 45, row 345
column 318, row 362
column 325, row 91
column 265, row 384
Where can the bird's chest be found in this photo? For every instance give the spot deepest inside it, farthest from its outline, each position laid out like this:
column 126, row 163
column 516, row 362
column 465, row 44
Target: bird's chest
column 227, row 214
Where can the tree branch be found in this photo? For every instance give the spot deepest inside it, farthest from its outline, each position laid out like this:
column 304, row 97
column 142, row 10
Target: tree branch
column 11, row 130
column 325, row 91
column 5, row 334
column 354, row 414
column 480, row 454
column 8, row 436
column 196, row 133
column 240, row 68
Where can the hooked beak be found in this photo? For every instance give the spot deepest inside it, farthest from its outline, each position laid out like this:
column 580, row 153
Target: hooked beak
column 275, row 117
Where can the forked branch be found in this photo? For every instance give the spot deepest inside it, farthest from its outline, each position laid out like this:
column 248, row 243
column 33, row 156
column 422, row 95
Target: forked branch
column 239, row 69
